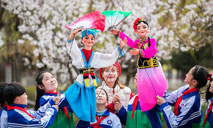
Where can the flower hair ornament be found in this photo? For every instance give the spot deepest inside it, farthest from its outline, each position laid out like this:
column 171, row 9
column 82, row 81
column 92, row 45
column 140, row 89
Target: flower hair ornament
column 209, row 77
column 137, row 21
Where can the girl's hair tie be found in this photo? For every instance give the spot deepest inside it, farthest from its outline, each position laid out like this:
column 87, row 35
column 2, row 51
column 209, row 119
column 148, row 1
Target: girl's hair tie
column 209, row 77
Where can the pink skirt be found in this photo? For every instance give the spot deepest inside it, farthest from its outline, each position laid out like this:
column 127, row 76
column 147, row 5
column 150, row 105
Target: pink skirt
column 150, row 83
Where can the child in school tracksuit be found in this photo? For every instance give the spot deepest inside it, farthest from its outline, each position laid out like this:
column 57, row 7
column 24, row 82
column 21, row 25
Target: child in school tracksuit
column 46, row 91
column 133, row 117
column 18, row 116
column 3, row 110
column 104, row 118
column 187, row 111
column 208, row 121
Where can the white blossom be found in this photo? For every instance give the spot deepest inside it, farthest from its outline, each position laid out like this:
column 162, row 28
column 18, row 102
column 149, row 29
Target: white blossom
column 43, row 25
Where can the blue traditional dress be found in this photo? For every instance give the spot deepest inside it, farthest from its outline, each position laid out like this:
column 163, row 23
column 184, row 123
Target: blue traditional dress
column 81, row 95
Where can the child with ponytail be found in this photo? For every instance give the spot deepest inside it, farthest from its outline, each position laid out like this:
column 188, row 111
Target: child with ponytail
column 46, row 91
column 187, row 111
column 19, row 117
column 208, row 121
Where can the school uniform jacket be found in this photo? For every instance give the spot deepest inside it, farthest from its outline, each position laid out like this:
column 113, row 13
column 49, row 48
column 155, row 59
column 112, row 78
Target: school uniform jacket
column 189, row 111
column 30, row 119
column 147, row 119
column 209, row 121
column 49, row 97
column 3, row 117
column 64, row 116
column 111, row 121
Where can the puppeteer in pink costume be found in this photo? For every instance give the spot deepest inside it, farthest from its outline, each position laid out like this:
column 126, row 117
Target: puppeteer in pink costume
column 151, row 80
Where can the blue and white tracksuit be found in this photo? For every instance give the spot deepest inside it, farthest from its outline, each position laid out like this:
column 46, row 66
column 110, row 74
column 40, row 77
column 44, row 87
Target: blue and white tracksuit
column 111, row 121
column 190, row 111
column 3, row 117
column 49, row 96
column 20, row 119
column 209, row 121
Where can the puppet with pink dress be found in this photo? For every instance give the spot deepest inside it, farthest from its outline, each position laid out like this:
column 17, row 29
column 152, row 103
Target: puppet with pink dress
column 151, row 80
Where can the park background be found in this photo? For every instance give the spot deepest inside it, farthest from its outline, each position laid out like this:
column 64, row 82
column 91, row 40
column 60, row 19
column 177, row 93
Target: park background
column 33, row 38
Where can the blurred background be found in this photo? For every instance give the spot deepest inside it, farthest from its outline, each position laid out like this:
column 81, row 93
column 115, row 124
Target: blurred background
column 33, row 37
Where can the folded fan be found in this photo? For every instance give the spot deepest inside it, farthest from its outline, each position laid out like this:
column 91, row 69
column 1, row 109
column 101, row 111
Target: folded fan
column 114, row 18
column 93, row 20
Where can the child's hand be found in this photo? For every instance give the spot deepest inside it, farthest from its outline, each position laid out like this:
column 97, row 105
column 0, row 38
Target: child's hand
column 117, row 102
column 116, row 98
column 56, row 107
column 123, row 43
column 134, row 51
column 118, row 106
column 115, row 32
column 56, row 100
column 160, row 100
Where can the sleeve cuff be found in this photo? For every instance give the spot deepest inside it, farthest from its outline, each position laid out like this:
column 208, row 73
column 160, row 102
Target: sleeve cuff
column 120, row 51
column 55, row 110
column 163, row 105
column 52, row 102
column 70, row 41
column 122, row 110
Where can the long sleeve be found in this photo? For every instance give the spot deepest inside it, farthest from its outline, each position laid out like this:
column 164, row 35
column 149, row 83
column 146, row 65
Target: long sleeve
column 104, row 60
column 122, row 115
column 150, row 51
column 190, row 113
column 62, row 103
column 74, row 52
column 130, row 42
column 42, row 109
column 171, row 97
column 116, row 122
column 3, row 118
column 209, row 121
column 19, row 119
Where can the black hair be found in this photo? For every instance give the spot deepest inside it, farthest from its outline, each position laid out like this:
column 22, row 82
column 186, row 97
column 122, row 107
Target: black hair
column 107, row 97
column 143, row 22
column 39, row 91
column 200, row 74
column 2, row 86
column 208, row 93
column 11, row 91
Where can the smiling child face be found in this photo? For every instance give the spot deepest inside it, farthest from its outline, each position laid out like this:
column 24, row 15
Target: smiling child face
column 101, row 97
